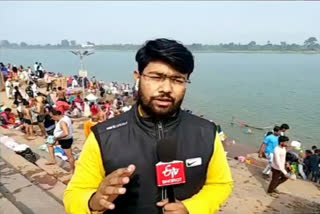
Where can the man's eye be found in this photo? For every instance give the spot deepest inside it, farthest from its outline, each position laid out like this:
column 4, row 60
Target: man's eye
column 156, row 77
column 178, row 80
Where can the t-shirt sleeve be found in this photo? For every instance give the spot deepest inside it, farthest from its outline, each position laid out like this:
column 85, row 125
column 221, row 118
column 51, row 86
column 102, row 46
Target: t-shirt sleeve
column 89, row 173
column 267, row 139
column 218, row 186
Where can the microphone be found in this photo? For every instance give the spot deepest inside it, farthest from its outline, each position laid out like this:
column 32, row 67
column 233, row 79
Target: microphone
column 169, row 171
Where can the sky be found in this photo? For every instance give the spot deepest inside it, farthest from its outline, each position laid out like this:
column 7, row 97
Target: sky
column 207, row 22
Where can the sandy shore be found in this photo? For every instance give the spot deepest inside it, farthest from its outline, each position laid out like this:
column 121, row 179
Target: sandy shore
column 249, row 195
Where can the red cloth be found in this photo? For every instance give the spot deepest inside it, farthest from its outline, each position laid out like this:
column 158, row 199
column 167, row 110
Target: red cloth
column 80, row 101
column 5, row 116
column 94, row 109
column 70, row 80
column 62, row 106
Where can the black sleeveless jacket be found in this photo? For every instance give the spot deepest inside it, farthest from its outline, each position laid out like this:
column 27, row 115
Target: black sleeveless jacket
column 131, row 139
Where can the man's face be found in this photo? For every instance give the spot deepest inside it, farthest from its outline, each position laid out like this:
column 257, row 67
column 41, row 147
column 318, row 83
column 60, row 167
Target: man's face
column 285, row 131
column 278, row 133
column 159, row 97
column 285, row 144
column 54, row 117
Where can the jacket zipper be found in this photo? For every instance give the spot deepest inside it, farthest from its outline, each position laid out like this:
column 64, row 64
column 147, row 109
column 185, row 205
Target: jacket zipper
column 161, row 136
column 160, row 131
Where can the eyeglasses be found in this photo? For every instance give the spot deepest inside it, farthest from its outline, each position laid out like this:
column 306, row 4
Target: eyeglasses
column 160, row 78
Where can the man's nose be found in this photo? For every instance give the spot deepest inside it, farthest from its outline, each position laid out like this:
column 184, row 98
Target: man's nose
column 166, row 86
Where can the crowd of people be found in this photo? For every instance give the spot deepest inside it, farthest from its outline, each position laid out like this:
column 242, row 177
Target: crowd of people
column 288, row 160
column 50, row 101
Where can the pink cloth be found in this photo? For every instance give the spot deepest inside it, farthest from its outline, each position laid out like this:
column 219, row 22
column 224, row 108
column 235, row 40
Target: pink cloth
column 79, row 101
column 5, row 116
column 62, row 106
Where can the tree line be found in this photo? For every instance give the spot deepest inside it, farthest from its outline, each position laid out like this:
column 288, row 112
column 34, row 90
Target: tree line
column 310, row 44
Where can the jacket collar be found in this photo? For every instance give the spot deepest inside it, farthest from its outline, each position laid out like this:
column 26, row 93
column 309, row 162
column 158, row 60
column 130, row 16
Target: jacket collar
column 151, row 124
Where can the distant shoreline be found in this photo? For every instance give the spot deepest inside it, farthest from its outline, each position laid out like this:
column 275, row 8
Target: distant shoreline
column 195, row 51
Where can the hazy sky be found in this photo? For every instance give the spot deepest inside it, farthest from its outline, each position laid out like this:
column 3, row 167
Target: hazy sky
column 134, row 22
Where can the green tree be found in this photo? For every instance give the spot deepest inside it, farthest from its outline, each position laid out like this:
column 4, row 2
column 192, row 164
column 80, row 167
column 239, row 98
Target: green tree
column 310, row 42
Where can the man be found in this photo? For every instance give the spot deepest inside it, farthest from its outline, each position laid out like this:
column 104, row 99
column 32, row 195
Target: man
column 102, row 115
column 314, row 166
column 271, row 142
column 283, row 128
column 5, row 116
column 279, row 173
column 94, row 120
column 9, row 87
column 116, row 169
column 295, row 156
column 4, row 71
column 27, row 119
column 63, row 134
column 40, row 104
column 313, row 149
column 35, row 67
column 48, row 78
column 61, row 94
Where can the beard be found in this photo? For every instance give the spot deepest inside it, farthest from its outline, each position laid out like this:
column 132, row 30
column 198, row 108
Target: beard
column 157, row 112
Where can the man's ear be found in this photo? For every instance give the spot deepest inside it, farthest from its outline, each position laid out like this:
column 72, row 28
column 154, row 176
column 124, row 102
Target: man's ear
column 137, row 75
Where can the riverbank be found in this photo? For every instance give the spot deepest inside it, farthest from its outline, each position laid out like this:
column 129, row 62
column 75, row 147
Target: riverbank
column 134, row 49
column 249, row 194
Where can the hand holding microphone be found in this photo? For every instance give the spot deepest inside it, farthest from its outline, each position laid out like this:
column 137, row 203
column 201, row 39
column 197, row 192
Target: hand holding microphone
column 173, row 208
column 110, row 189
column 170, row 172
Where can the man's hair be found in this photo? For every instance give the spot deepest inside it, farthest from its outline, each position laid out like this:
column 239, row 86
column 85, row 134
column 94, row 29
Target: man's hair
column 25, row 102
column 308, row 152
column 317, row 152
column 276, row 129
column 269, row 133
column 284, row 126
column 283, row 139
column 8, row 109
column 314, row 147
column 167, row 51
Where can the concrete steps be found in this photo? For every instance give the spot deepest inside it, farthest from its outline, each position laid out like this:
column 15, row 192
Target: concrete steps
column 20, row 195
column 43, row 185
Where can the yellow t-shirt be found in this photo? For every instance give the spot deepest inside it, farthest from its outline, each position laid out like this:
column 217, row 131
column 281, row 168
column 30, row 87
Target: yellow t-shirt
column 89, row 173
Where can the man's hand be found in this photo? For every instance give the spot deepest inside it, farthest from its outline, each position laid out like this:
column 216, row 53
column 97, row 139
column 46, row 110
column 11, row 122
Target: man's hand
column 173, row 208
column 110, row 189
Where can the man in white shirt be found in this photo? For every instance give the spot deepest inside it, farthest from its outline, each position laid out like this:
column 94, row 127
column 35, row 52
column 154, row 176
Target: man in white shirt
column 279, row 173
column 35, row 66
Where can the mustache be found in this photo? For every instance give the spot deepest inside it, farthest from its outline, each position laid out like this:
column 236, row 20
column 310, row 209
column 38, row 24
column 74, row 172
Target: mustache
column 166, row 97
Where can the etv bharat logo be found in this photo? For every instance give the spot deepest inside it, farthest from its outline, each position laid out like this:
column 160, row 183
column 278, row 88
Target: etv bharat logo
column 170, row 171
